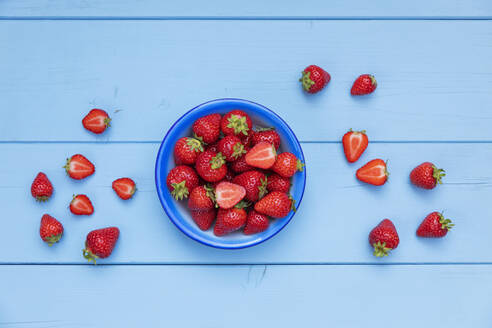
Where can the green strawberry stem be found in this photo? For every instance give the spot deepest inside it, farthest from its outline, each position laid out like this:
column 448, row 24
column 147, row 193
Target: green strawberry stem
column 243, row 204
column 194, row 144
column 373, row 81
column 292, row 204
column 446, row 224
column 380, row 250
column 300, row 165
column 238, row 123
column 261, row 129
column 179, row 190
column 238, row 150
column 199, row 139
column 52, row 239
column 89, row 256
column 211, row 194
column 438, row 174
column 107, row 122
column 263, row 188
column 306, row 80
column 217, row 161
column 42, row 198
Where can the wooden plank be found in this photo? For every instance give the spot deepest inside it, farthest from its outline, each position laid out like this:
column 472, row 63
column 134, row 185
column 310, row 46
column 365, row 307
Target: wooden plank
column 331, row 226
column 288, row 296
column 434, row 76
column 255, row 8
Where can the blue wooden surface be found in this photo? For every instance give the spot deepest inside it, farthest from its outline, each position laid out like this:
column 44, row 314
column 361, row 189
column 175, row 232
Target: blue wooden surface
column 152, row 62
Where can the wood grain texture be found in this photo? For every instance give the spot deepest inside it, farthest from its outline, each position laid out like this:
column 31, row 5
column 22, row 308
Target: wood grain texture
column 434, row 76
column 331, row 226
column 287, row 296
column 255, row 8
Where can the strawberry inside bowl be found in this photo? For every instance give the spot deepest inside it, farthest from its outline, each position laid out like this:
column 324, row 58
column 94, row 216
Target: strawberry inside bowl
column 178, row 211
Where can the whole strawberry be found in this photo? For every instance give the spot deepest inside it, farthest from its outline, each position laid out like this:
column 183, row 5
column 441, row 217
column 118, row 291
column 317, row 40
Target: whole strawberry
column 231, row 147
column 202, row 206
column 314, row 79
column 266, row 135
column 181, row 180
column 213, row 147
column 364, row 85
column 207, row 128
column 275, row 204
column 230, row 220
column 236, row 122
column 426, row 176
column 79, row 167
column 384, row 238
column 81, row 205
column 211, row 166
column 240, row 165
column 255, row 223
column 187, row 150
column 41, row 187
column 204, row 218
column 97, row 121
column 434, row 226
column 254, row 182
column 124, row 188
column 51, row 230
column 278, row 183
column 287, row 165
column 100, row 243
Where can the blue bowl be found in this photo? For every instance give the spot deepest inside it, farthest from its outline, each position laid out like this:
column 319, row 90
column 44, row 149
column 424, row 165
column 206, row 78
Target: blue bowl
column 177, row 211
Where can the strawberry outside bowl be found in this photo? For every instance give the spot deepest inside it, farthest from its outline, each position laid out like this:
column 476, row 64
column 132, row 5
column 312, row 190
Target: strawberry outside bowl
column 177, row 210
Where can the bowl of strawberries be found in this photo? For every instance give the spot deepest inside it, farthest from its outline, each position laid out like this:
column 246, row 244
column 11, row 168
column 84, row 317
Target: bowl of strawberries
column 230, row 173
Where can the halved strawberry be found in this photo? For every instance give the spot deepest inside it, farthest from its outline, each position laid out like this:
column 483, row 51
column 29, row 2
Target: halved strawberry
column 96, row 121
column 81, row 205
column 374, row 172
column 228, row 194
column 79, row 167
column 124, row 187
column 354, row 144
column 262, row 155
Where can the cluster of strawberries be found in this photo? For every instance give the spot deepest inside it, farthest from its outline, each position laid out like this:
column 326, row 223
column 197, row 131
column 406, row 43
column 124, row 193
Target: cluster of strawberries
column 384, row 236
column 99, row 243
column 232, row 174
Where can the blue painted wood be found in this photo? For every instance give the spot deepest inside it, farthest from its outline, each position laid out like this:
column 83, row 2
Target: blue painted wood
column 255, row 8
column 287, row 296
column 331, row 225
column 434, row 83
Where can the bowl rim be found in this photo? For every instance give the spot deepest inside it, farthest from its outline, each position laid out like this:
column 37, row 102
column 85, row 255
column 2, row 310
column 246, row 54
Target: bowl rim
column 190, row 234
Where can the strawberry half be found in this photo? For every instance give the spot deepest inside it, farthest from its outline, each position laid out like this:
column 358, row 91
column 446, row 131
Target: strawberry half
column 228, row 194
column 354, row 144
column 78, row 167
column 81, row 205
column 96, row 121
column 124, row 187
column 374, row 172
column 262, row 155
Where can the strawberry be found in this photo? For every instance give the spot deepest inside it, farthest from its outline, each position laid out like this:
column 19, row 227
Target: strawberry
column 100, row 243
column 228, row 194
column 186, row 150
column 51, row 230
column 247, row 140
column 78, row 167
column 364, row 85
column 275, row 204
column 254, row 182
column 124, row 187
column 266, row 135
column 213, row 147
column 354, row 144
column 426, row 176
column 204, row 218
column 41, row 187
column 434, row 226
column 231, row 147
column 96, row 121
column 229, row 220
column 201, row 198
column 287, row 164
column 211, row 166
column 384, row 238
column 262, row 155
column 81, row 205
column 374, row 172
column 314, row 79
column 207, row 128
column 240, row 165
column 181, row 180
column 236, row 122
column 255, row 223
column 278, row 183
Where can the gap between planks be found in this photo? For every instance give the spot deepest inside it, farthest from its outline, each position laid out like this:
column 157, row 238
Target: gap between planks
column 251, row 264
column 302, row 142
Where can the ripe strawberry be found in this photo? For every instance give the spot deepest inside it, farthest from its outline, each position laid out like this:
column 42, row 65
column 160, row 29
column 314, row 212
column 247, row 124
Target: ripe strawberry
column 254, row 182
column 231, row 147
column 266, row 135
column 78, row 167
column 384, row 238
column 275, row 204
column 96, row 121
column 124, row 187
column 207, row 128
column 228, row 178
column 41, row 187
column 236, row 122
column 247, row 140
column 354, row 144
column 211, row 166
column 434, row 226
column 255, row 223
column 374, row 172
column 314, row 79
column 213, row 147
column 204, row 218
column 426, row 176
column 229, row 220
column 181, row 180
column 262, row 155
column 81, row 205
column 364, row 85
column 240, row 165
column 228, row 194
column 287, row 164
column 187, row 150
column 100, row 243
column 278, row 183
column 51, row 230
column 201, row 198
